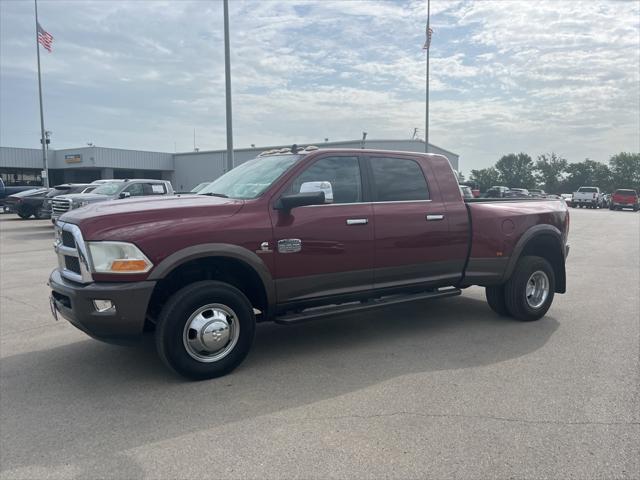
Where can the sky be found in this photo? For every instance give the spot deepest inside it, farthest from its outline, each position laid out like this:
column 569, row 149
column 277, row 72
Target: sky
column 506, row 76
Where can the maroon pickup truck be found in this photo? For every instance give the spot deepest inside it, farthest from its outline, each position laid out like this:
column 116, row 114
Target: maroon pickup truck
column 297, row 235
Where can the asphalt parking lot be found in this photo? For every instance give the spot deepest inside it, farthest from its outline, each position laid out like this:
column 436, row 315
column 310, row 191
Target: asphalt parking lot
column 444, row 389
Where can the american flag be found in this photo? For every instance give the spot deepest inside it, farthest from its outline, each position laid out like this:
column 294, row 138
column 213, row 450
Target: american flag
column 427, row 44
column 45, row 38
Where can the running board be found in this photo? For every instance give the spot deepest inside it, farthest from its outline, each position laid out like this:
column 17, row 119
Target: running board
column 324, row 312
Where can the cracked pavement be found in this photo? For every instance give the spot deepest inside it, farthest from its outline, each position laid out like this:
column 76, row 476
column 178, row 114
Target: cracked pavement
column 441, row 389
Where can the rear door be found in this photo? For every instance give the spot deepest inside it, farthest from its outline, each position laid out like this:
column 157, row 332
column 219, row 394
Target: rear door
column 412, row 239
column 325, row 250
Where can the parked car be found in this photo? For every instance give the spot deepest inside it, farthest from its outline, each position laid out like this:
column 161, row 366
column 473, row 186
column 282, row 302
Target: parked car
column 567, row 197
column 19, row 202
column 496, row 192
column 466, row 192
column 586, row 197
column 603, row 200
column 37, row 203
column 537, row 193
column 110, row 190
column 12, row 190
column 292, row 237
column 66, row 189
column 624, row 198
column 517, row 192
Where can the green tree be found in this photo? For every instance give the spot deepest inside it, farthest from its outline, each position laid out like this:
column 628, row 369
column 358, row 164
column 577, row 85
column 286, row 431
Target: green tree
column 587, row 174
column 516, row 170
column 485, row 178
column 549, row 171
column 625, row 170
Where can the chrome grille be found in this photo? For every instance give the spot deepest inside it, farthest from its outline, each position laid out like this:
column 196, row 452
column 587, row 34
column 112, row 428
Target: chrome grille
column 72, row 253
column 67, row 239
column 60, row 206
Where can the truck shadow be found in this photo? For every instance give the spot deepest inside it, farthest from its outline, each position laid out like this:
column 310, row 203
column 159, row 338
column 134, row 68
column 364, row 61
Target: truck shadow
column 88, row 402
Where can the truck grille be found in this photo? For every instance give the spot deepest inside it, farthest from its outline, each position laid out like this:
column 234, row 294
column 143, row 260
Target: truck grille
column 68, row 240
column 72, row 264
column 60, row 206
column 72, row 253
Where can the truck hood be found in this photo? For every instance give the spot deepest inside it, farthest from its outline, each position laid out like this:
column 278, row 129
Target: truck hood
column 139, row 219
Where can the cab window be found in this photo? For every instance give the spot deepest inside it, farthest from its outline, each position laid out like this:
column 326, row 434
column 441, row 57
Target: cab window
column 135, row 190
column 342, row 172
column 154, row 189
column 398, row 180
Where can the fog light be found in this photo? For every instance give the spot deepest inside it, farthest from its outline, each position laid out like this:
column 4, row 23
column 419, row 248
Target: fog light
column 103, row 305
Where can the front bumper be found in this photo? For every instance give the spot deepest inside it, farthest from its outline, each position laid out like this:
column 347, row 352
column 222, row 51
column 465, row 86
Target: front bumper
column 122, row 324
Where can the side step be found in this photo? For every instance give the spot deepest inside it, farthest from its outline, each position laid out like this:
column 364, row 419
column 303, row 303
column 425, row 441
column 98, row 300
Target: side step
column 324, row 312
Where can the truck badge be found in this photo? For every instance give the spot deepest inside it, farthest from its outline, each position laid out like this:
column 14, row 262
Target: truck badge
column 289, row 245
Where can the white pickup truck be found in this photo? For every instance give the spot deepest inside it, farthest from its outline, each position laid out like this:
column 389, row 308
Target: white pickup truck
column 586, row 197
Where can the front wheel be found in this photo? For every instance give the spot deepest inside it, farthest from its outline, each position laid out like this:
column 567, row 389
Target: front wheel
column 530, row 290
column 205, row 330
column 25, row 212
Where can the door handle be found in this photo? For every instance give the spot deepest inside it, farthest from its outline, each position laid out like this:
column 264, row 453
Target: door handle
column 357, row 221
column 432, row 218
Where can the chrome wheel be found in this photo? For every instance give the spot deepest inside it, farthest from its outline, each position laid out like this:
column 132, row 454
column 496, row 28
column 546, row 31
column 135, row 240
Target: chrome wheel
column 537, row 289
column 211, row 332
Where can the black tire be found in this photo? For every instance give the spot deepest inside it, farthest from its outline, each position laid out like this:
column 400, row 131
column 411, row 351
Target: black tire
column 496, row 300
column 25, row 212
column 170, row 329
column 516, row 289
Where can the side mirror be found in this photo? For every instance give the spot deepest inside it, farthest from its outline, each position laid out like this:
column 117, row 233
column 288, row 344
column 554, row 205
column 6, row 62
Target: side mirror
column 323, row 186
column 289, row 202
column 125, row 194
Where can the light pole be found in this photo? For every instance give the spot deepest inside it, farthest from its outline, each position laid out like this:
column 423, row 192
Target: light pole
column 426, row 47
column 227, row 78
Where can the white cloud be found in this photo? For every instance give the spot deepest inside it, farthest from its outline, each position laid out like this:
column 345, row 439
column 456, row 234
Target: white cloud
column 505, row 75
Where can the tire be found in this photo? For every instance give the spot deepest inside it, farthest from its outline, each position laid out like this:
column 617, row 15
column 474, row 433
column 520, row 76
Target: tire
column 25, row 212
column 520, row 305
column 217, row 302
column 611, row 207
column 496, row 300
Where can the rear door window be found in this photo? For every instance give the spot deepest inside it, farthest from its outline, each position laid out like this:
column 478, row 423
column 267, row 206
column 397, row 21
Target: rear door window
column 398, row 180
column 154, row 189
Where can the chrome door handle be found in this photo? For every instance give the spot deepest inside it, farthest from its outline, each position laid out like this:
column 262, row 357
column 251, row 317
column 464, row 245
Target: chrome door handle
column 431, row 218
column 357, row 221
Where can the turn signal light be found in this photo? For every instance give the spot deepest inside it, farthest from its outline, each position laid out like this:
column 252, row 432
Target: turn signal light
column 128, row 265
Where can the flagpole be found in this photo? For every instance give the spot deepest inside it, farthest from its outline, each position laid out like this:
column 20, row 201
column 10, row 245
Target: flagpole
column 45, row 180
column 426, row 113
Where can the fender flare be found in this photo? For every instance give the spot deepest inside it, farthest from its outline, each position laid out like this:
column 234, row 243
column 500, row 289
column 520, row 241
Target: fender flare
column 533, row 232
column 223, row 250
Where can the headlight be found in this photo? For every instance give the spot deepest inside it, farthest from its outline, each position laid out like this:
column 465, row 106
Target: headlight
column 83, row 203
column 118, row 257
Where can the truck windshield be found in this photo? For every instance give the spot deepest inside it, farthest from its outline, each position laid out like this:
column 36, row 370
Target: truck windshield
column 109, row 188
column 252, row 178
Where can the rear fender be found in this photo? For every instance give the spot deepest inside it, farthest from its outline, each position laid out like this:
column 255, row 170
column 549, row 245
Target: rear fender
column 544, row 241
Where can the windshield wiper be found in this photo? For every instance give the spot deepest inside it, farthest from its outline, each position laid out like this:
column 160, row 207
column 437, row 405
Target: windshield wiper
column 221, row 195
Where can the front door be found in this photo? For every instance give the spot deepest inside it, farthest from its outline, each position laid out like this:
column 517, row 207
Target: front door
column 325, row 250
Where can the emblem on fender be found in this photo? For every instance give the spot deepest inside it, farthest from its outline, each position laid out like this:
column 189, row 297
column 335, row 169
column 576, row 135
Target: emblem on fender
column 289, row 245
